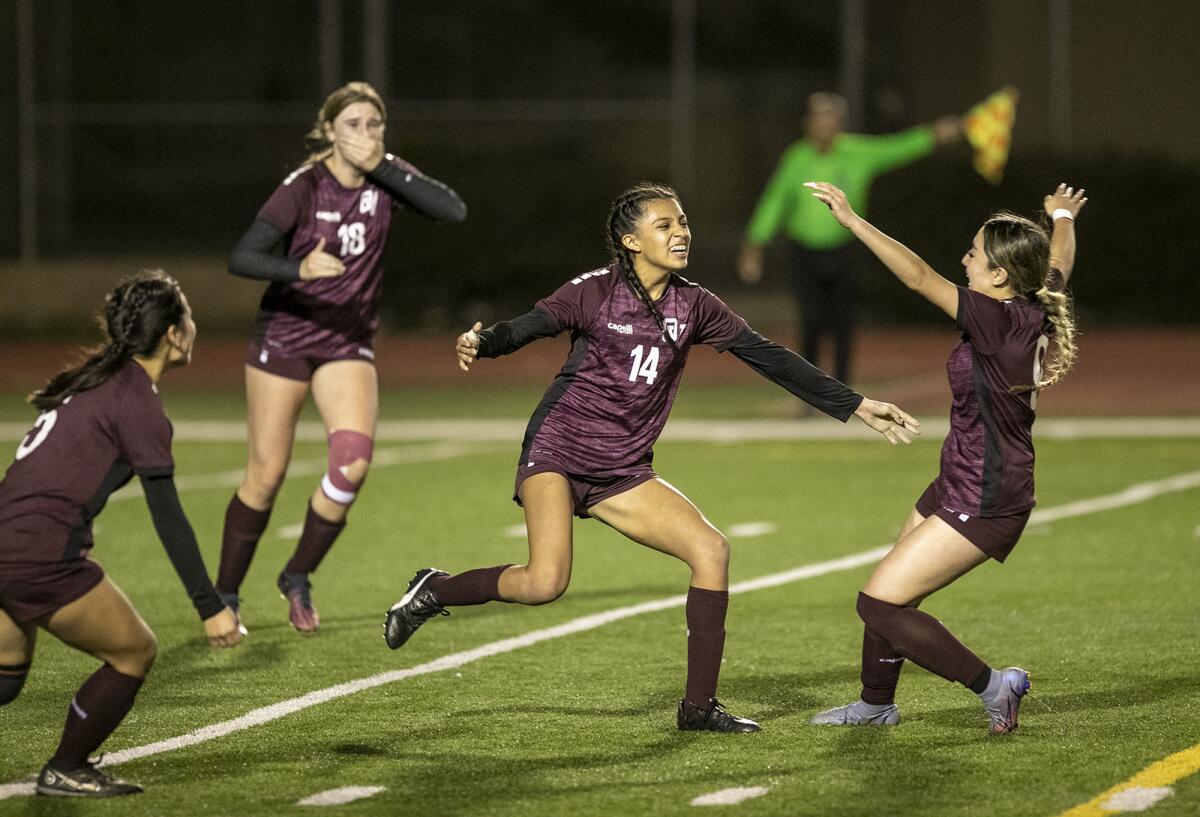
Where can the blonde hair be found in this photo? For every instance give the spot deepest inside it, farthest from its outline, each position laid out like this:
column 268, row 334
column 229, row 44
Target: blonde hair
column 315, row 142
column 1022, row 247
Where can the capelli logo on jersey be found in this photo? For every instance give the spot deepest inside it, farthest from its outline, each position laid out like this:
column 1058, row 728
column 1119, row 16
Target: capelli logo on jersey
column 622, row 328
column 328, row 215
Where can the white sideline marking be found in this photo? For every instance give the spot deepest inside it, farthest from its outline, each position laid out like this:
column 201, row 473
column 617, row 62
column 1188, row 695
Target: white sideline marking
column 303, row 468
column 1140, row 492
column 290, row 531
column 336, row 797
column 818, row 428
column 518, row 531
column 745, row 530
column 8, row 790
column 729, row 797
column 1136, row 798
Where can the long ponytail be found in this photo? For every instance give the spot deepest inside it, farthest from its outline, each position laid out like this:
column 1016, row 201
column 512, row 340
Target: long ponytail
column 136, row 316
column 1057, row 307
column 626, row 209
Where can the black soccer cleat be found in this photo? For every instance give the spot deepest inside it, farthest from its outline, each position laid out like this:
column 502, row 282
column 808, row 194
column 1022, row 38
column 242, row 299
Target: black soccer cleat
column 714, row 719
column 417, row 606
column 86, row 781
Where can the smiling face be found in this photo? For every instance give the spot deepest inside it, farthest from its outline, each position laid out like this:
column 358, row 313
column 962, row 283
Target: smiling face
column 982, row 277
column 661, row 239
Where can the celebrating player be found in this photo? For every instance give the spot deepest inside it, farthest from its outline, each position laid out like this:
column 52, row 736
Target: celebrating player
column 316, row 326
column 101, row 423
column 588, row 446
column 1011, row 309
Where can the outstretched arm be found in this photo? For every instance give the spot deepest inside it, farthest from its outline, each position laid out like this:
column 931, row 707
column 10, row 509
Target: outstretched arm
column 220, row 624
column 903, row 262
column 1063, row 206
column 505, row 337
column 787, row 369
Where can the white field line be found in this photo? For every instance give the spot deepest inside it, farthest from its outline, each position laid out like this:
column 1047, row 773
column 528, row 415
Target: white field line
column 729, row 797
column 300, row 468
column 816, row 428
column 1135, row 493
column 338, row 797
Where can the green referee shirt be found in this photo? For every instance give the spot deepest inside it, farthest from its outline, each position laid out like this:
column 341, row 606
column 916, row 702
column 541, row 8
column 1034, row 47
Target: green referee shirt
column 852, row 163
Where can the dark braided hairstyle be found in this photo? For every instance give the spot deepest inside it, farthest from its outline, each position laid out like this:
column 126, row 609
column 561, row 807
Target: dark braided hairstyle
column 626, row 209
column 136, row 316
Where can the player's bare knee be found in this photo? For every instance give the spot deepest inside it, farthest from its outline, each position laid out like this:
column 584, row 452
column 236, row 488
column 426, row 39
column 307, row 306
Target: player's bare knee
column 12, row 679
column 262, row 484
column 138, row 657
column 711, row 553
column 545, row 586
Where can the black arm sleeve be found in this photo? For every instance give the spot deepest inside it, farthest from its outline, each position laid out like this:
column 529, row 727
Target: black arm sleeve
column 794, row 373
column 427, row 196
column 180, row 543
column 507, row 337
column 253, row 257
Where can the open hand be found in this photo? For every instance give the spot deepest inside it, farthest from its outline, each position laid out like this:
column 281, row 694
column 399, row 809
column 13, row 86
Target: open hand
column 1065, row 198
column 320, row 264
column 895, row 425
column 835, row 200
column 468, row 347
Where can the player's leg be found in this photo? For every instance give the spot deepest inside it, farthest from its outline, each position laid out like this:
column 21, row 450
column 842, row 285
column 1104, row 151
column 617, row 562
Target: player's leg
column 347, row 396
column 657, row 515
column 16, row 652
column 273, row 406
column 880, row 672
column 548, row 503
column 931, row 557
column 104, row 624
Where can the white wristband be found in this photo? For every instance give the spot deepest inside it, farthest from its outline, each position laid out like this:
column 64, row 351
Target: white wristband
column 1061, row 212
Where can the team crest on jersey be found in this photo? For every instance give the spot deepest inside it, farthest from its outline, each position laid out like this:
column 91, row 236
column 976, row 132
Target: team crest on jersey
column 674, row 328
column 368, row 201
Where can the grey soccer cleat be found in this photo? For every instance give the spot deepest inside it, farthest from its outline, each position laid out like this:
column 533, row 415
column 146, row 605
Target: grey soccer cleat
column 86, row 781
column 1002, row 708
column 418, row 605
column 859, row 713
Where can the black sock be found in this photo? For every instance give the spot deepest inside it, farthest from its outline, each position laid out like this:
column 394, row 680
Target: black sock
column 980, row 684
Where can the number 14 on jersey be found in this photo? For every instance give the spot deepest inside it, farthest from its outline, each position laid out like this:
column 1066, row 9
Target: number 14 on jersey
column 647, row 368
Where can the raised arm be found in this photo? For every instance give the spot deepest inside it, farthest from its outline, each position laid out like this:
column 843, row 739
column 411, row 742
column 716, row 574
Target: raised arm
column 505, row 337
column 903, row 262
column 426, row 195
column 1063, row 206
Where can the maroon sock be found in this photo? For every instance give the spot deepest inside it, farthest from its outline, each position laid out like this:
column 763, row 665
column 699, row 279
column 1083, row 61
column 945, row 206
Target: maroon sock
column 244, row 526
column 469, row 587
column 705, row 612
column 95, row 711
column 921, row 638
column 881, row 666
column 315, row 541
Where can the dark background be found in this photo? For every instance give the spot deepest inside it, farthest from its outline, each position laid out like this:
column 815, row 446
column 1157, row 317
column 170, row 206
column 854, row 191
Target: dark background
column 161, row 128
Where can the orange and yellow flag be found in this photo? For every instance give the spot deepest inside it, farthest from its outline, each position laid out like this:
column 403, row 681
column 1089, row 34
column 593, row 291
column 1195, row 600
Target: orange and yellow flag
column 989, row 131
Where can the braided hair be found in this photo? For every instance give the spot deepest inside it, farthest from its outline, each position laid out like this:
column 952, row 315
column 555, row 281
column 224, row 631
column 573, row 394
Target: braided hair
column 1022, row 247
column 626, row 209
column 315, row 141
column 136, row 316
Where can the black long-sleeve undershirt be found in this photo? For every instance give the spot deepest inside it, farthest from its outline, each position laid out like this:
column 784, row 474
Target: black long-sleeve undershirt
column 180, row 543
column 787, row 369
column 254, row 257
column 425, row 195
column 506, row 337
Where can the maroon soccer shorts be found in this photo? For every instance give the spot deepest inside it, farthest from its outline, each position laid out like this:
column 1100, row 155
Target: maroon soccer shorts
column 30, row 590
column 586, row 490
column 299, row 368
column 994, row 535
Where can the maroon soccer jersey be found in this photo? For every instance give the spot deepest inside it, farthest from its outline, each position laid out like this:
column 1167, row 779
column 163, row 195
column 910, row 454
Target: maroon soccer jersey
column 327, row 317
column 987, row 459
column 75, row 456
column 611, row 399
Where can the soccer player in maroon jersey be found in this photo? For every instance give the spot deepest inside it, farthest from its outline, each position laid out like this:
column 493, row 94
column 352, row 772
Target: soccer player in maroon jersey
column 1013, row 306
column 316, row 326
column 101, row 423
column 588, row 448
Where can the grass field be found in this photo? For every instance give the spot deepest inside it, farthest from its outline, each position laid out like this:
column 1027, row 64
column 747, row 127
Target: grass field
column 1100, row 607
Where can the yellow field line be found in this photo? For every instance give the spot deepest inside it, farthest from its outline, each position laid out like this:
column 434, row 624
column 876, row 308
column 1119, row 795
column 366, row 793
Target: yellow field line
column 1163, row 773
